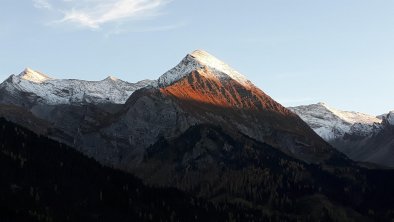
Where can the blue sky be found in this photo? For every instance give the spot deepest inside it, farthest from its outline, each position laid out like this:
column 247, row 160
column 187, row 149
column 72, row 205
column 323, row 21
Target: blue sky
column 298, row 51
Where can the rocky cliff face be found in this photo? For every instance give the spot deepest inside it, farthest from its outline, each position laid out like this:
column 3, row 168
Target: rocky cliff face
column 247, row 110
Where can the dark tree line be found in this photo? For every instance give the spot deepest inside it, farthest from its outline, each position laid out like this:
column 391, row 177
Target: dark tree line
column 43, row 180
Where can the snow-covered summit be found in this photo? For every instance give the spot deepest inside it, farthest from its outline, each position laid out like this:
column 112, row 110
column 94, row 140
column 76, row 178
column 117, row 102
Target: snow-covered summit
column 33, row 76
column 331, row 123
column 111, row 78
column 353, row 117
column 68, row 91
column 209, row 60
column 200, row 59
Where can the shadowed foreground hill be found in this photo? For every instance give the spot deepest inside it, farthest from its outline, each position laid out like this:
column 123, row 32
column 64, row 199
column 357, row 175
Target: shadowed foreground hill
column 43, row 180
column 229, row 167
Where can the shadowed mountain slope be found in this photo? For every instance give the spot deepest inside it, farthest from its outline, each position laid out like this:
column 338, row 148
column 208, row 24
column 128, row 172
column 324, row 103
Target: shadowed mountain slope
column 43, row 180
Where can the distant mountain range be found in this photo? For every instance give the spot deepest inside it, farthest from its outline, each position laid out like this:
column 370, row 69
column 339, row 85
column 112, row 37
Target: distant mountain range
column 43, row 89
column 331, row 123
column 205, row 129
column 360, row 136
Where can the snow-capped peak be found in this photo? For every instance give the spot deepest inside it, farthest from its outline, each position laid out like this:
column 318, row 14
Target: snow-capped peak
column 111, row 78
column 198, row 60
column 214, row 63
column 71, row 91
column 33, row 76
column 352, row 117
column 331, row 123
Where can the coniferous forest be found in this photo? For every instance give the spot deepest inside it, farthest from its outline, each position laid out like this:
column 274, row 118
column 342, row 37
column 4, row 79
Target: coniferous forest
column 43, row 180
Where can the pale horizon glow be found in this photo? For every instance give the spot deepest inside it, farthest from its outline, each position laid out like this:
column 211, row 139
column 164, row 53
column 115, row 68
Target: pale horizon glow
column 298, row 52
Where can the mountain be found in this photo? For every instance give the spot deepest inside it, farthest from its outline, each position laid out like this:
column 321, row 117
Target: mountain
column 32, row 87
column 375, row 148
column 200, row 89
column 360, row 136
column 331, row 123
